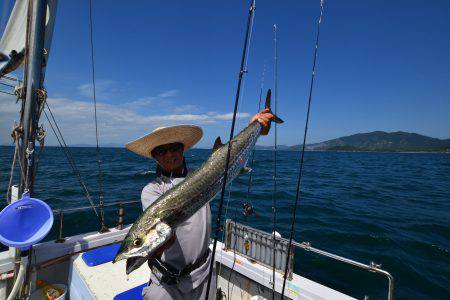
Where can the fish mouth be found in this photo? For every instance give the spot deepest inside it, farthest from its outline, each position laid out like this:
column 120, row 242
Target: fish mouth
column 134, row 263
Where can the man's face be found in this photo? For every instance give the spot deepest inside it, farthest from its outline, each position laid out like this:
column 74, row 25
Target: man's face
column 169, row 156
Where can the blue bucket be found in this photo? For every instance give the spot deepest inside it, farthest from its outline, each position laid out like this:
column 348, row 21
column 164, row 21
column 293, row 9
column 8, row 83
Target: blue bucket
column 25, row 222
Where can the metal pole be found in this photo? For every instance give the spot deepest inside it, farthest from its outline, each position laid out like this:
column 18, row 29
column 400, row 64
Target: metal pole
column 373, row 267
column 121, row 217
column 60, row 228
column 35, row 56
column 34, row 82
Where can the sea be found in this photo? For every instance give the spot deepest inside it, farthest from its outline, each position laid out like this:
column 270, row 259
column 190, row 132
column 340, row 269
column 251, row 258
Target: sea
column 390, row 208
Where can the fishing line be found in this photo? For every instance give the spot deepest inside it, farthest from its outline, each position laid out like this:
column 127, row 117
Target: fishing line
column 297, row 196
column 250, row 177
column 274, row 181
column 223, row 231
column 234, row 256
column 227, row 162
column 68, row 155
column 99, row 162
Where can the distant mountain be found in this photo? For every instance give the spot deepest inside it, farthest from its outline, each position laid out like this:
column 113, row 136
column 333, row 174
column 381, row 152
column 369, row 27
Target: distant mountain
column 379, row 141
column 382, row 141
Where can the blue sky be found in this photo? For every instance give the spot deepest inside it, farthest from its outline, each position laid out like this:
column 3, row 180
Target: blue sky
column 382, row 65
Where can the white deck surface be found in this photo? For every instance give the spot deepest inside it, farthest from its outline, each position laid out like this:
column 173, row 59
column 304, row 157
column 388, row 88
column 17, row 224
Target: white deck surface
column 107, row 280
column 104, row 281
column 297, row 288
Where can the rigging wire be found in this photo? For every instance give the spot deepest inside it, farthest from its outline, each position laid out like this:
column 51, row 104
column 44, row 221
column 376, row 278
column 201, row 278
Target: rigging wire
column 274, row 182
column 297, row 196
column 68, row 154
column 99, row 162
column 227, row 162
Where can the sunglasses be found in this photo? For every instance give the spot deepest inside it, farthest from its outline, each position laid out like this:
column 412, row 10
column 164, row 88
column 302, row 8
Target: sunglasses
column 162, row 150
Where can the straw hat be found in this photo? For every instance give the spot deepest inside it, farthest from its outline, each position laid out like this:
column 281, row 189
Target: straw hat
column 188, row 135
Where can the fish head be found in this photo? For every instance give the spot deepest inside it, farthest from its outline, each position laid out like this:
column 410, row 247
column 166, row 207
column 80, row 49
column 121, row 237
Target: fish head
column 141, row 243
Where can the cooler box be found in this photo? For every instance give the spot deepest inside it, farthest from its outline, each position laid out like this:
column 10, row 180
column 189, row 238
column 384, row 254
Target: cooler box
column 94, row 276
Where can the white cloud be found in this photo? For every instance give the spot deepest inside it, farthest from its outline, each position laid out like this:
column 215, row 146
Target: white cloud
column 104, row 89
column 117, row 123
column 169, row 94
column 160, row 100
column 188, row 108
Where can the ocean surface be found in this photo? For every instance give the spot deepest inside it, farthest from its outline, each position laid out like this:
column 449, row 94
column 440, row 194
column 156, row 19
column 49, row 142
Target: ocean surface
column 390, row 208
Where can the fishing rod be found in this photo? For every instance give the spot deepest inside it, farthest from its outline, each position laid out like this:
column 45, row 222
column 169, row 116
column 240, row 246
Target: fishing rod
column 227, row 162
column 300, row 172
column 274, row 182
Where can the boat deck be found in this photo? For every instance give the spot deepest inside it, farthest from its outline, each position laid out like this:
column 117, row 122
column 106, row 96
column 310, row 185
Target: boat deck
column 63, row 263
column 107, row 280
column 103, row 281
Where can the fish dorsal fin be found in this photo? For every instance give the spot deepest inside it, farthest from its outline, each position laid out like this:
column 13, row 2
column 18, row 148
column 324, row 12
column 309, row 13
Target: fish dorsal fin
column 217, row 144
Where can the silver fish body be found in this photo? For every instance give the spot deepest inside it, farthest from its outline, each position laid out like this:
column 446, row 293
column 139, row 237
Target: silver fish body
column 156, row 226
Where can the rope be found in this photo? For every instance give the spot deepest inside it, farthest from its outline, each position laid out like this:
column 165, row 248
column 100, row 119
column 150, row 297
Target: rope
column 68, row 154
column 40, row 132
column 297, row 196
column 99, row 162
column 16, row 132
column 227, row 162
column 274, row 184
column 8, row 191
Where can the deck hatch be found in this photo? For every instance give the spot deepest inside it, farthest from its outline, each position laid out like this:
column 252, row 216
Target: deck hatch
column 257, row 245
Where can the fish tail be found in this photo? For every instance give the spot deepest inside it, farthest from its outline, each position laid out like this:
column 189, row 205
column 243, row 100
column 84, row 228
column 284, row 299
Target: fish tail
column 276, row 119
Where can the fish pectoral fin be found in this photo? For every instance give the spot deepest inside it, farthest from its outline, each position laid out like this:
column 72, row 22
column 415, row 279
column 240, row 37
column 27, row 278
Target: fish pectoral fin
column 217, row 144
column 245, row 170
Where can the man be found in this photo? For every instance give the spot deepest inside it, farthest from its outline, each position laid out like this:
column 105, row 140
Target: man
column 181, row 270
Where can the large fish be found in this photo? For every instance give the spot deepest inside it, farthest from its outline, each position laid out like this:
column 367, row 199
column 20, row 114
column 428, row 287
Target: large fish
column 156, row 225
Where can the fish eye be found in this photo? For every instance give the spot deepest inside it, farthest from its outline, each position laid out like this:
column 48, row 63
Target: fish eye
column 137, row 242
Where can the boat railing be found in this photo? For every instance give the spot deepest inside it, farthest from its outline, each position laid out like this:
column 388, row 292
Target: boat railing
column 243, row 239
column 120, row 214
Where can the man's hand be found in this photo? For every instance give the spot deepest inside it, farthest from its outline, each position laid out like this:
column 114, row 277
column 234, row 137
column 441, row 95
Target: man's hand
column 264, row 118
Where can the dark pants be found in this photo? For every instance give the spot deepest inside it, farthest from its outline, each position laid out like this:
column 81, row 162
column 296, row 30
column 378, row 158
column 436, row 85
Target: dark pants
column 162, row 291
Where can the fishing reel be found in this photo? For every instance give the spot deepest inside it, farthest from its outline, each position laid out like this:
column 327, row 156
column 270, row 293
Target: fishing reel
column 247, row 209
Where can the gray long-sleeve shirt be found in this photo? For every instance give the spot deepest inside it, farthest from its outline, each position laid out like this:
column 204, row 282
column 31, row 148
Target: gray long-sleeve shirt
column 192, row 236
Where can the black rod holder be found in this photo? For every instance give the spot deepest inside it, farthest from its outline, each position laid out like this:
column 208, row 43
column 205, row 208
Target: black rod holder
column 121, row 216
column 60, row 228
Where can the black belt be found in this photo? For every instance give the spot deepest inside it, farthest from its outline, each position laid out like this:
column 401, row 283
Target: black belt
column 170, row 275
